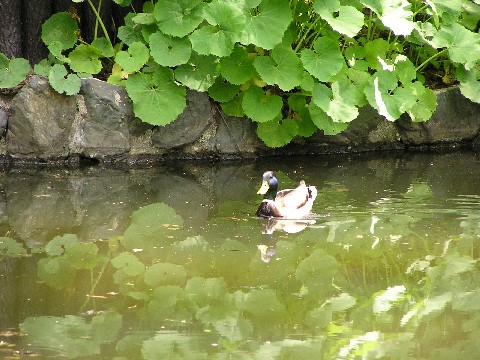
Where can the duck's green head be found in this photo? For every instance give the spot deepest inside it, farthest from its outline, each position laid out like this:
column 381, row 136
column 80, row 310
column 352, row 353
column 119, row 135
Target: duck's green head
column 269, row 185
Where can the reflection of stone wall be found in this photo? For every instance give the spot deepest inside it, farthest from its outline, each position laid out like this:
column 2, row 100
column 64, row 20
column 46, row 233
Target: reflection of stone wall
column 97, row 203
column 99, row 124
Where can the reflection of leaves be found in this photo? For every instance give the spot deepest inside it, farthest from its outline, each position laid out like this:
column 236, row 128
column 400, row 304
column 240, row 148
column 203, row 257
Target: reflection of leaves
column 10, row 247
column 151, row 224
column 165, row 274
column 317, row 270
column 172, row 345
column 72, row 336
column 129, row 263
column 263, row 304
column 56, row 246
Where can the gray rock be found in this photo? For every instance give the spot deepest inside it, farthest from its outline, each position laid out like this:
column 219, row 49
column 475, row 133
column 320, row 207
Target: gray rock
column 369, row 130
column 40, row 122
column 189, row 126
column 235, row 136
column 3, row 122
column 101, row 129
column 456, row 119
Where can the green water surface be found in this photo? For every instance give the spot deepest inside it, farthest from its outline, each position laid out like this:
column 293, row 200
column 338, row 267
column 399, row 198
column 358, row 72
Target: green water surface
column 170, row 262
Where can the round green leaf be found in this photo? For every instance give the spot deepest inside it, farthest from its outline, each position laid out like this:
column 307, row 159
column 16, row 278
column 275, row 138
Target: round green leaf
column 266, row 25
column 238, row 67
column 85, row 59
column 13, row 71
column 134, row 58
column 259, row 106
column 199, row 74
column 283, row 68
column 168, row 51
column 61, row 82
column 325, row 122
column 227, row 22
column 325, row 61
column 344, row 19
column 156, row 98
column 178, row 17
column 223, row 91
column 277, row 133
column 60, row 27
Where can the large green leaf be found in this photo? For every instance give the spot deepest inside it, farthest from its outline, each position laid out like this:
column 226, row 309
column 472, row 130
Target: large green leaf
column 394, row 14
column 134, row 58
column 13, row 71
column 60, row 27
column 266, row 25
column 61, row 81
column 282, row 68
column 325, row 61
column 463, row 45
column 277, row 133
column 238, row 67
column 325, row 122
column 346, row 20
column 85, row 59
column 260, row 106
column 227, row 23
column 178, row 17
column 157, row 99
column 199, row 73
column 169, row 51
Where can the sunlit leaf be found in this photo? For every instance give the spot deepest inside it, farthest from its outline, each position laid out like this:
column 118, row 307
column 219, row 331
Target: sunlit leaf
column 463, row 45
column 341, row 302
column 346, row 20
column 325, row 122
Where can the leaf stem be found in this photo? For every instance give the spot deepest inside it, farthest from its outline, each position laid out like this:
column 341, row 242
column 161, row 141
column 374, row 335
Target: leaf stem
column 433, row 57
column 99, row 20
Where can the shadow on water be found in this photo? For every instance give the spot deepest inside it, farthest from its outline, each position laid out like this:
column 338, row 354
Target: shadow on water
column 170, row 262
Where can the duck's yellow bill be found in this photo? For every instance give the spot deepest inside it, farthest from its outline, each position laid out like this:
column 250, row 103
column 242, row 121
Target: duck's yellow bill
column 264, row 188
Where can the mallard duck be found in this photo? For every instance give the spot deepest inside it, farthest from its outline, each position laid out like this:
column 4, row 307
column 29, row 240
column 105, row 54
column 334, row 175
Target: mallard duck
column 289, row 203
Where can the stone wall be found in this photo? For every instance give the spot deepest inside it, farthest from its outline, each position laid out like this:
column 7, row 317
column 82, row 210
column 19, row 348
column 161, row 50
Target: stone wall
column 99, row 124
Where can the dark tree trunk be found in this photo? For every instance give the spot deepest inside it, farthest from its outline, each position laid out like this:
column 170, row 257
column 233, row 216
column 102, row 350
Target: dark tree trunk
column 34, row 14
column 11, row 28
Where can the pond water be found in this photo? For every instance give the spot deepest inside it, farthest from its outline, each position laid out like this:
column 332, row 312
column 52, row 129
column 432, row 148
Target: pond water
column 170, row 262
